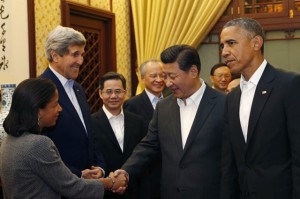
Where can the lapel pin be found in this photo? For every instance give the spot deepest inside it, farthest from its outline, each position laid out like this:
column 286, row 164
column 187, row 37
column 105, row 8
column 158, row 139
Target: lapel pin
column 264, row 92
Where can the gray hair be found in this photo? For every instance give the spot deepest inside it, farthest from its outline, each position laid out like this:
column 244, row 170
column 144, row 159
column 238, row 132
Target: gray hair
column 60, row 39
column 252, row 27
column 145, row 64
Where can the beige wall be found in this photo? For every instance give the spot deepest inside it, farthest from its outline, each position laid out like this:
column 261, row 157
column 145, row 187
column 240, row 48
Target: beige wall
column 16, row 36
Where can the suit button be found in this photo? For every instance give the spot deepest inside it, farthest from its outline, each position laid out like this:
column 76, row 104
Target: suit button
column 182, row 167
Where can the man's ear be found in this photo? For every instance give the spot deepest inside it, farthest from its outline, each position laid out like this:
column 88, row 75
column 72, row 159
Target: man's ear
column 54, row 56
column 194, row 71
column 100, row 93
column 258, row 42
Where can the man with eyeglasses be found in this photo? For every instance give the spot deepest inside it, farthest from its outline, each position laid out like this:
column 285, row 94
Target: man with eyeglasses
column 186, row 129
column 220, row 77
column 117, row 131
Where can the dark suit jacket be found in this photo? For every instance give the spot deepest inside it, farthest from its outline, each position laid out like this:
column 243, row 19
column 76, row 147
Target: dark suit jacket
column 267, row 166
column 150, row 186
column 134, row 131
column 140, row 105
column 195, row 171
column 75, row 146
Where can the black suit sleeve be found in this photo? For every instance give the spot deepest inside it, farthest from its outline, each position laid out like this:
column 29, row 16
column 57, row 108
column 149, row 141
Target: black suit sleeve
column 229, row 179
column 292, row 104
column 144, row 152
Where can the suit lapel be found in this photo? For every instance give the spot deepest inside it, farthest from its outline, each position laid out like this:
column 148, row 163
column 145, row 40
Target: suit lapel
column 107, row 129
column 262, row 94
column 204, row 109
column 80, row 95
column 64, row 100
column 234, row 115
column 147, row 105
column 173, row 110
column 127, row 129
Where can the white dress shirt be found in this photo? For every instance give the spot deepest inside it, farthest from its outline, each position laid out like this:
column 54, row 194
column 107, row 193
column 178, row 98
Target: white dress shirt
column 68, row 86
column 117, row 124
column 188, row 110
column 248, row 90
column 153, row 99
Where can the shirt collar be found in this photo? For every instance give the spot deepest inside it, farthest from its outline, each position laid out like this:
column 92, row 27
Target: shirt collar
column 109, row 115
column 196, row 97
column 151, row 96
column 61, row 78
column 254, row 79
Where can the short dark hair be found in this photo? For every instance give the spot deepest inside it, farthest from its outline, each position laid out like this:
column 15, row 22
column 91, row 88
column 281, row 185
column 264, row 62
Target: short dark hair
column 184, row 55
column 29, row 96
column 216, row 66
column 110, row 76
column 251, row 26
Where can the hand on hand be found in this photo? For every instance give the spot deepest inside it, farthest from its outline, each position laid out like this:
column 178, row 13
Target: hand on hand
column 93, row 173
column 121, row 179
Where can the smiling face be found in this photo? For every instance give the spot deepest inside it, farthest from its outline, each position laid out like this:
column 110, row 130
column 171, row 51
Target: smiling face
column 241, row 52
column 221, row 78
column 68, row 65
column 182, row 83
column 49, row 114
column 113, row 95
column 154, row 78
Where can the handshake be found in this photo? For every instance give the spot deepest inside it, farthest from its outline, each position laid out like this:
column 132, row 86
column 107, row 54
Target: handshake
column 116, row 181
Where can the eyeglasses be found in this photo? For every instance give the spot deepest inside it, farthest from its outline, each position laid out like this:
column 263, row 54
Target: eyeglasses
column 117, row 92
column 220, row 76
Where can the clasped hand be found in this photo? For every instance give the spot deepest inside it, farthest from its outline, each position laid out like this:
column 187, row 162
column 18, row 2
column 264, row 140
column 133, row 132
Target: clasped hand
column 116, row 182
column 119, row 184
column 93, row 173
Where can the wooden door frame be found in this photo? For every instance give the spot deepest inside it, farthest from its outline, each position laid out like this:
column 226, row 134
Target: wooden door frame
column 31, row 38
column 87, row 11
column 69, row 8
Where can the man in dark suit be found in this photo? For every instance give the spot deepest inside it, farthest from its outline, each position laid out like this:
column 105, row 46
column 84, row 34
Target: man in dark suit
column 186, row 129
column 261, row 151
column 152, row 77
column 73, row 131
column 143, row 105
column 116, row 131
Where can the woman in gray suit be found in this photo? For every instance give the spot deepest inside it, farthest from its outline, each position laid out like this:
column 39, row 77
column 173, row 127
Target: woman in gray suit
column 30, row 164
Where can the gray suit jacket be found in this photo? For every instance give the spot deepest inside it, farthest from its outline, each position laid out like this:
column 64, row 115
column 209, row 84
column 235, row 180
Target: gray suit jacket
column 195, row 171
column 31, row 167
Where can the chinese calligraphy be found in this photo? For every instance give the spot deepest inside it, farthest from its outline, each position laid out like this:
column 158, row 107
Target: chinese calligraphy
column 3, row 16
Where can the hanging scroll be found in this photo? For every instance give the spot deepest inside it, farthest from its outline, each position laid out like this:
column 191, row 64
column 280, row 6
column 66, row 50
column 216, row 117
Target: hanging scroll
column 4, row 15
